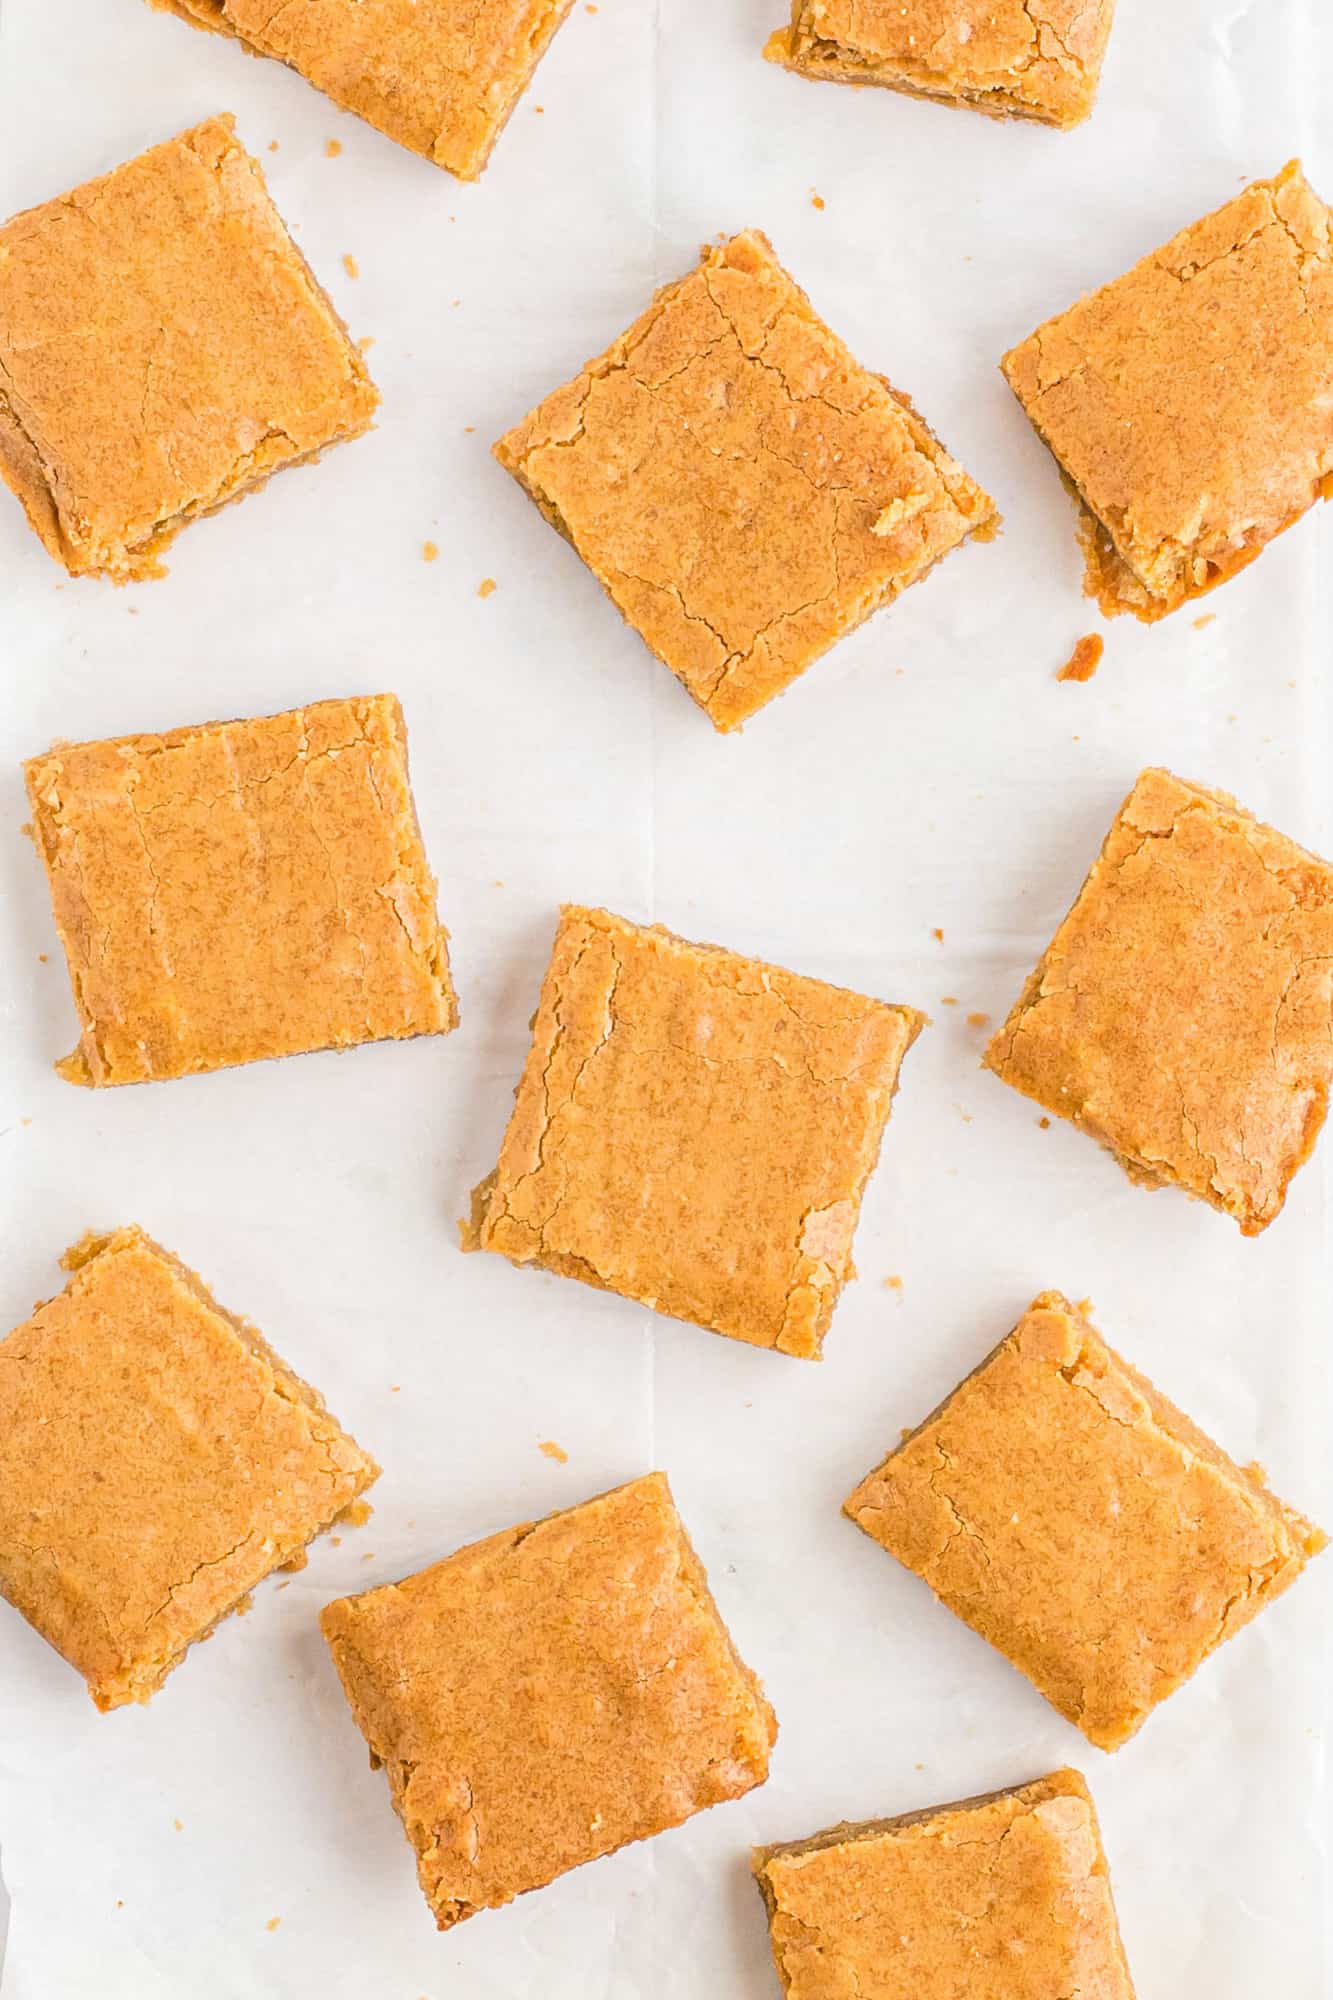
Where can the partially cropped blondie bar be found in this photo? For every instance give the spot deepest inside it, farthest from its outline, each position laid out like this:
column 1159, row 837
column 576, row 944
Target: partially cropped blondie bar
column 1038, row 59
column 1189, row 404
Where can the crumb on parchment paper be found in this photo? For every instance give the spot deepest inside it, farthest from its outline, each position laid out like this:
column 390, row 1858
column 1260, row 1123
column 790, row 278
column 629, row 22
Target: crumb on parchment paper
column 551, row 1449
column 1083, row 662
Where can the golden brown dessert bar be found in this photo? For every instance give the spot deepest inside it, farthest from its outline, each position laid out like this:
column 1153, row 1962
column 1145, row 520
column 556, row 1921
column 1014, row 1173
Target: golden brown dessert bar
column 241, row 890
column 1037, row 59
column 1189, row 405
column 157, row 1461
column 439, row 76
column 1003, row 1897
column 1070, row 1514
column 694, row 1130
column 743, row 490
column 548, row 1695
column 1183, row 1012
column 164, row 347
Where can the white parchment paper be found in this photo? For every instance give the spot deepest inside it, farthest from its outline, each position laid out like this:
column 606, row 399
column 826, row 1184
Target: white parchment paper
column 930, row 774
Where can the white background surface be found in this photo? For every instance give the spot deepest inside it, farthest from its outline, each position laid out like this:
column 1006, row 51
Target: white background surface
column 929, row 773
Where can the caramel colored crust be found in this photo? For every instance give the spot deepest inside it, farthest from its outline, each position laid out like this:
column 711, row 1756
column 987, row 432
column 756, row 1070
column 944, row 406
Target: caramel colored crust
column 694, row 1130
column 241, row 890
column 1190, row 403
column 743, row 490
column 157, row 1461
column 1078, row 1521
column 548, row 1695
column 1008, row 58
column 1183, row 1012
column 1004, row 1897
column 163, row 349
column 439, row 76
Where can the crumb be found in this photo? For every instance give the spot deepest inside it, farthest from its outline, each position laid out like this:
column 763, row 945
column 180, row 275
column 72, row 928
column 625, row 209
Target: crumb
column 468, row 430
column 350, row 265
column 816, row 201
column 25, row 1121
column 1206, row 619
column 369, row 1556
column 42, row 958
column 1086, row 1307
column 179, row 1825
column 1083, row 661
column 366, row 342
column 286, row 1583
column 429, row 551
column 395, row 1388
column 133, row 610
column 273, row 145
column 966, row 1116
column 357, row 1514
column 26, row 829
column 553, row 1450
column 1044, row 1124
column 120, row 1904
column 538, row 109
column 938, row 936
column 486, row 586
column 332, row 148
column 893, row 1283
column 272, row 1923
column 497, row 883
column 978, row 1020
column 336, row 1541
column 244, row 1604
column 949, row 1000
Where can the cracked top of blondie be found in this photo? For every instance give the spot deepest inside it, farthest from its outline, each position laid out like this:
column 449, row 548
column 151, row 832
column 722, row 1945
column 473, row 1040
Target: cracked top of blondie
column 744, row 490
column 1183, row 1011
column 1076, row 1519
column 544, row 1696
column 694, row 1130
column 1036, row 59
column 157, row 1460
column 1188, row 403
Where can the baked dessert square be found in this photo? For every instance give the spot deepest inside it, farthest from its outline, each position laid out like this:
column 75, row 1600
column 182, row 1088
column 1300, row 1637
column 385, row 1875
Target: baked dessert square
column 694, row 1130
column 1004, row 1897
column 1189, row 405
column 1183, row 1012
column 164, row 347
column 1066, row 1511
column 548, row 1695
column 241, row 890
column 1008, row 58
column 157, row 1461
column 743, row 490
column 439, row 76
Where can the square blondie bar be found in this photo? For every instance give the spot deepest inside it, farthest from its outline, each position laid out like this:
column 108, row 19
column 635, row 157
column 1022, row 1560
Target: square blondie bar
column 241, row 890
column 694, row 1130
column 1189, row 404
column 1008, row 58
column 439, row 76
column 1070, row 1514
column 744, row 491
column 1003, row 1897
column 157, row 1461
column 545, row 1696
column 164, row 348
column 1183, row 1012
